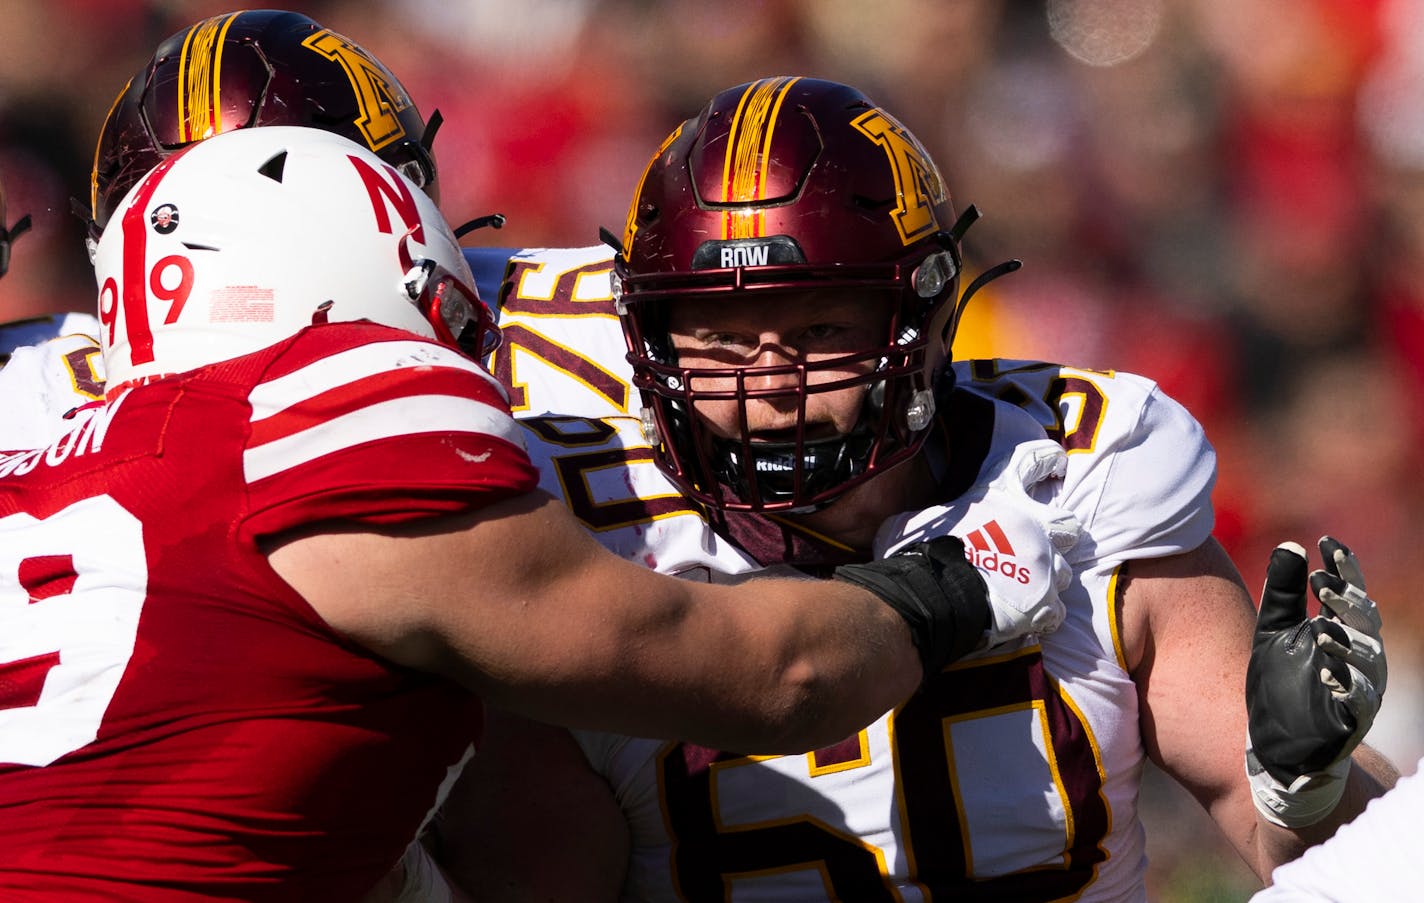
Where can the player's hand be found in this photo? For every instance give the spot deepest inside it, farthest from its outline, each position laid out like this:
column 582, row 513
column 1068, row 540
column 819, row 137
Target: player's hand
column 940, row 595
column 1313, row 685
column 1017, row 543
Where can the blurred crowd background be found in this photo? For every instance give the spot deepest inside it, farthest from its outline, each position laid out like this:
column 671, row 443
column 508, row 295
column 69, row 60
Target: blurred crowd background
column 1224, row 195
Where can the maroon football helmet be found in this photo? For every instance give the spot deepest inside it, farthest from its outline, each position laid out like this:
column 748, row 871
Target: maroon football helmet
column 254, row 68
column 777, row 186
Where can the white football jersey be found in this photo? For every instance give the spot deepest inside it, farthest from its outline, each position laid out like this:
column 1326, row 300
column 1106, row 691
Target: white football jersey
column 53, row 367
column 1013, row 775
column 563, row 350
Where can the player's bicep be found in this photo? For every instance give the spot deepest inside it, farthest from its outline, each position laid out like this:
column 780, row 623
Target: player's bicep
column 1187, row 624
column 507, row 594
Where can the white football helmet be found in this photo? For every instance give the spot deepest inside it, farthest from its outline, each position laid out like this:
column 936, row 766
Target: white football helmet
column 246, row 238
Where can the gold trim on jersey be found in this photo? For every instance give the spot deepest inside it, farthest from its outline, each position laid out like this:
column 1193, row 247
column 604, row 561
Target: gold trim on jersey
column 600, row 505
column 510, row 344
column 87, row 384
column 1039, row 708
column 575, row 296
column 1097, row 757
column 861, row 760
column 827, row 886
column 1115, row 616
column 795, row 527
column 722, row 827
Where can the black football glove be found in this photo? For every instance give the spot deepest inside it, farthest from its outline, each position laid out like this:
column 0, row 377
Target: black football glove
column 1313, row 685
column 938, row 592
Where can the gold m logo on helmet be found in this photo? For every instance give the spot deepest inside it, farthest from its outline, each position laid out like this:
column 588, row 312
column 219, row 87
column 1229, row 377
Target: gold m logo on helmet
column 917, row 179
column 378, row 95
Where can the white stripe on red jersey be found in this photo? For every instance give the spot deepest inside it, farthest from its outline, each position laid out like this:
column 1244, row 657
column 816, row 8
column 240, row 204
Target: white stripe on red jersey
column 403, row 416
column 343, row 367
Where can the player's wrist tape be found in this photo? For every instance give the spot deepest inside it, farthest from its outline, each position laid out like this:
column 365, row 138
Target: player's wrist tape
column 1305, row 801
column 940, row 594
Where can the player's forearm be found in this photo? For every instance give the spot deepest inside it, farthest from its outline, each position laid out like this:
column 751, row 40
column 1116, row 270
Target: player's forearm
column 766, row 666
column 1371, row 774
column 834, row 658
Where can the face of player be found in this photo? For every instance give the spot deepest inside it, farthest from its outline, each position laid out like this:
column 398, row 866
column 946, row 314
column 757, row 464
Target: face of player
column 762, row 330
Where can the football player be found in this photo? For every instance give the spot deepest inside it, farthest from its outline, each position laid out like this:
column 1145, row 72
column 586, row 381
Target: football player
column 246, row 599
column 789, row 284
column 231, row 71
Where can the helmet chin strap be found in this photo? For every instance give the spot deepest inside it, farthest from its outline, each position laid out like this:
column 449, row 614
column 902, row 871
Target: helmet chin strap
column 966, row 219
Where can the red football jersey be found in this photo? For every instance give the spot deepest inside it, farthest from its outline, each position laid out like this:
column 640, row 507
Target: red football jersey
column 176, row 723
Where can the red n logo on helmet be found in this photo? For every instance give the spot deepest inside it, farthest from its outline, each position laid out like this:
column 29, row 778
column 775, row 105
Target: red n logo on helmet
column 389, row 188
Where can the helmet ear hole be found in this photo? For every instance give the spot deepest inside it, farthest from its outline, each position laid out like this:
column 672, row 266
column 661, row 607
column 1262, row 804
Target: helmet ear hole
column 274, row 167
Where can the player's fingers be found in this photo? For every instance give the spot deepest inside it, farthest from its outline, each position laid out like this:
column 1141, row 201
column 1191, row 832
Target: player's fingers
column 1283, row 597
column 1361, row 652
column 1031, row 463
column 1346, row 602
column 1337, row 681
column 1331, row 646
column 1062, row 573
column 1360, row 699
column 1340, row 561
column 1064, row 529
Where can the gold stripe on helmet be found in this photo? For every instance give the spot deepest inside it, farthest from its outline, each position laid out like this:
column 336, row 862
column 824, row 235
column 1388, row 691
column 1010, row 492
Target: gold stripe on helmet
column 98, row 148
column 744, row 171
column 630, row 228
column 200, row 79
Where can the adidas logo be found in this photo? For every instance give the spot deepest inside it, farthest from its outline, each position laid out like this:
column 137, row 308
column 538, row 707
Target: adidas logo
column 988, row 548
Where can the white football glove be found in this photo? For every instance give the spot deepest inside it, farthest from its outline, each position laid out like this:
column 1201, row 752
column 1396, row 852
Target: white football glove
column 1016, row 543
